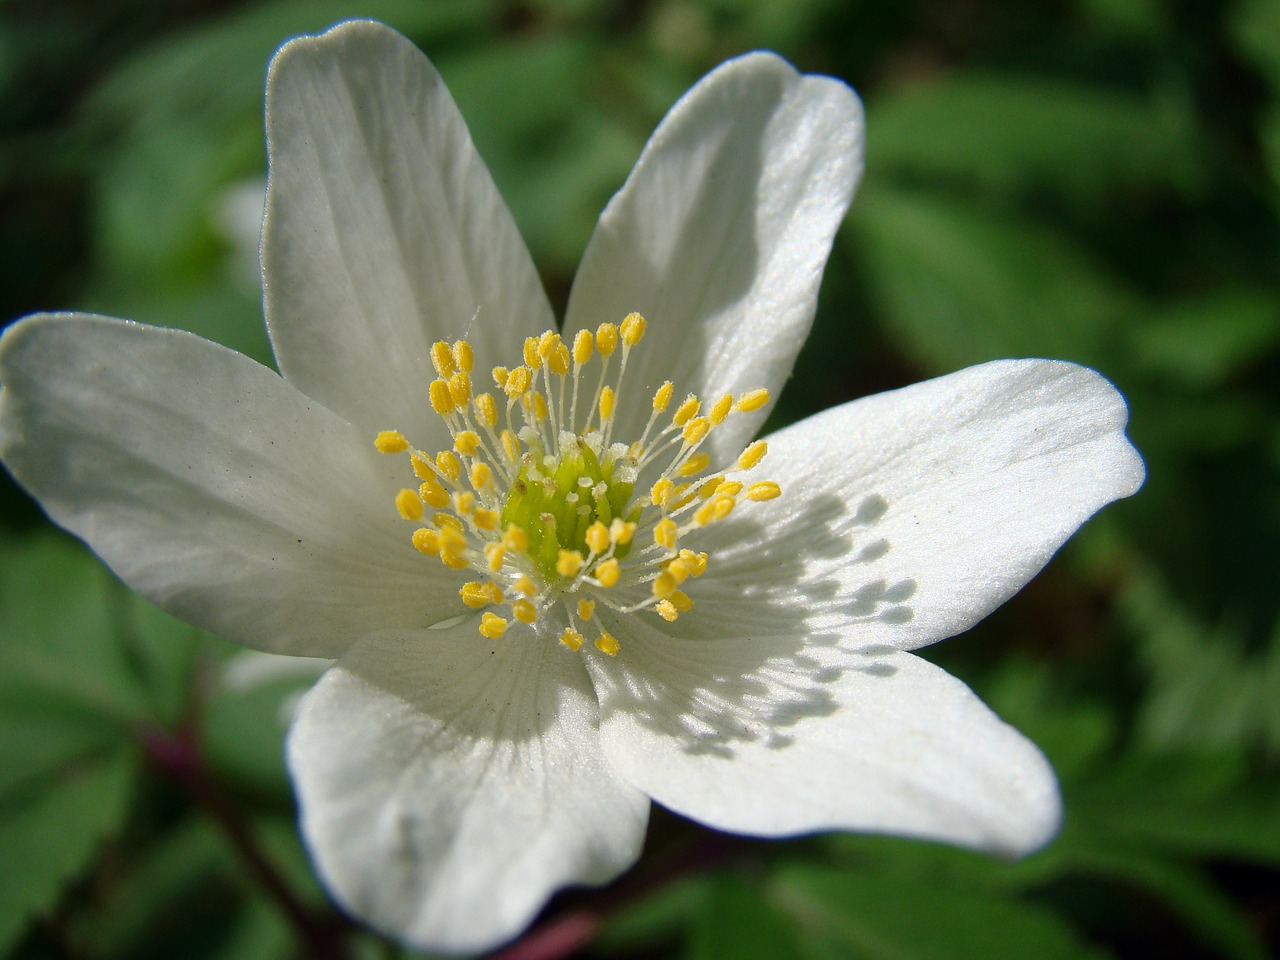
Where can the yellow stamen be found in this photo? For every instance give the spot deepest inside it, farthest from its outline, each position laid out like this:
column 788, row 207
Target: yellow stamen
column 686, row 411
column 666, row 533
column 492, row 626
column 466, row 442
column 607, row 643
column 448, row 464
column 582, row 347
column 752, row 455
column 486, row 409
column 409, row 504
column 526, row 587
column 433, row 494
column 586, row 609
column 486, row 519
column 442, row 359
column 606, row 339
column 667, row 611
column 598, row 537
column 695, row 464
column 572, row 639
column 753, row 400
column 569, row 563
column 662, row 397
column 633, row 326
column 696, row 430
column 764, row 490
column 606, row 404
column 515, row 539
column 524, row 611
column 440, row 397
column 481, row 475
column 391, row 441
column 475, row 594
column 463, row 356
column 427, row 541
column 720, row 409
column 608, row 572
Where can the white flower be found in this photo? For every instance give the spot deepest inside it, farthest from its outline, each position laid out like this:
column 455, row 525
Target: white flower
column 453, row 771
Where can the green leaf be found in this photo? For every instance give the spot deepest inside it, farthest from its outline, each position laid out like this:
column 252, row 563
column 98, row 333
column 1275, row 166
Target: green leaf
column 734, row 920
column 1204, row 342
column 1011, row 132
column 876, row 917
column 959, row 285
column 51, row 831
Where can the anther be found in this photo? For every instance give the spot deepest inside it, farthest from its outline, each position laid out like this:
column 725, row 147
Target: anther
column 524, row 611
column 572, row 639
column 608, row 644
column 608, row 572
column 409, row 504
column 463, row 356
column 686, row 411
column 582, row 347
column 633, row 326
column 752, row 455
column 466, row 442
column 442, row 359
column 764, row 490
column 753, row 400
column 391, row 441
column 440, row 397
column 720, row 409
column 492, row 626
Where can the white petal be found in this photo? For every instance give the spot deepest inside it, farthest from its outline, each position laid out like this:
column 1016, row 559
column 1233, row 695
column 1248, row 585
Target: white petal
column 211, row 486
column 909, row 516
column 449, row 785
column 383, row 231
column 761, row 735
column 720, row 235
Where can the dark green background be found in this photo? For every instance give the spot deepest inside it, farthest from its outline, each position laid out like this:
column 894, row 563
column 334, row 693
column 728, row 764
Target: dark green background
column 1093, row 180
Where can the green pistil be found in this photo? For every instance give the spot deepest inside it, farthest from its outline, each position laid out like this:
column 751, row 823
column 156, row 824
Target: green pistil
column 530, row 502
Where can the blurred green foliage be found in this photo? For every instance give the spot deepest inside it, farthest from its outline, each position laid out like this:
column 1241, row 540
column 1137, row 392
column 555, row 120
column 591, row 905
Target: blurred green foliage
column 1096, row 180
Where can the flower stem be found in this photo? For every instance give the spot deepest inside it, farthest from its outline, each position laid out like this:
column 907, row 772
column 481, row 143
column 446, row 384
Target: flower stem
column 178, row 758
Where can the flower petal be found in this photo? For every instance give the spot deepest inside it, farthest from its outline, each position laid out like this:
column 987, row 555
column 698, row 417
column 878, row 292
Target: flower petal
column 210, row 485
column 383, row 230
column 909, row 516
column 764, row 735
column 449, row 785
column 720, row 235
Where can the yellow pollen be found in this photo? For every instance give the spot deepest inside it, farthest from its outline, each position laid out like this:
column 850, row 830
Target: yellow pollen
column 621, row 531
column 608, row 573
column 409, row 504
column 586, row 609
column 667, row 611
column 606, row 404
column 467, row 442
column 572, row 639
column 709, row 486
column 494, row 554
column 695, row 464
column 486, row 409
column 422, row 466
column 539, row 406
column 582, row 347
column 686, row 411
column 442, row 359
column 532, row 359
column 464, row 356
column 764, row 490
column 510, row 446
column 448, row 464
column 500, row 375
column 427, row 541
column 680, row 600
column 447, row 521
column 753, row 400
column 526, row 587
column 723, row 505
column 524, row 611
column 440, row 397
column 515, row 539
column 633, row 326
column 559, row 360
column 696, row 562
column 606, row 339
column 662, row 397
column 696, row 430
column 480, row 475
column 475, row 594
column 460, row 388
column 679, row 569
column 661, row 493
column 391, row 441
column 569, row 563
column 494, row 591
column 607, row 643
column 433, row 494
column 666, row 533
column 598, row 537
column 486, row 519
column 665, row 585
column 517, row 382
column 752, row 455
column 705, row 513
column 492, row 626
column 730, row 488
column 547, row 344
column 720, row 409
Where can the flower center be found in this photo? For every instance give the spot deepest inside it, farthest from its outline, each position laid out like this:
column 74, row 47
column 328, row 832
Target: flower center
column 537, row 497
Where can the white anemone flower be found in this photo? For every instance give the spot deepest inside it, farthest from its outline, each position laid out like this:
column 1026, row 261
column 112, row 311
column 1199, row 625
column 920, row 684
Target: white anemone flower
column 554, row 601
